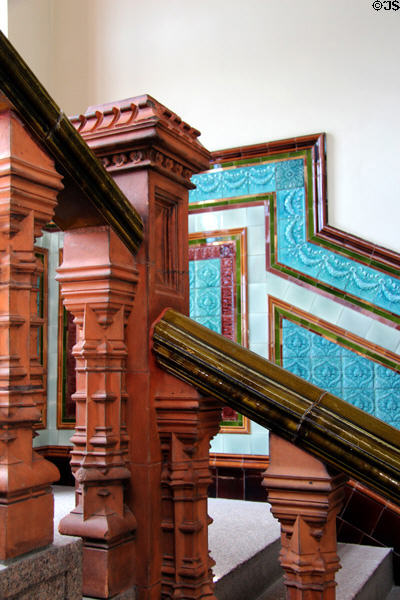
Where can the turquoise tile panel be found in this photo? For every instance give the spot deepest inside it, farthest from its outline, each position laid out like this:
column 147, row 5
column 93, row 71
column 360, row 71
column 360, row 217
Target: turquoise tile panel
column 286, row 178
column 363, row 283
column 232, row 183
column 386, row 379
column 205, row 292
column 289, row 174
column 360, row 399
column 207, row 273
column 235, row 183
column 209, row 186
column 213, row 323
column 388, row 406
column 261, row 179
column 320, row 346
column 297, row 342
column 359, row 380
column 326, row 373
column 358, row 372
column 191, row 274
column 301, row 368
column 388, row 295
column 207, row 303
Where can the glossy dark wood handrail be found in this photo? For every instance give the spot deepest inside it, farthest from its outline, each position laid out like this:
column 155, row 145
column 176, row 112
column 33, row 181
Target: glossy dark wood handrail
column 338, row 433
column 55, row 132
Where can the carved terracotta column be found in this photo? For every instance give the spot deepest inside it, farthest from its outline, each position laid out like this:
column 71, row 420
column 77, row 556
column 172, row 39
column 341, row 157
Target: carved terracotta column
column 186, row 426
column 28, row 190
column 306, row 499
column 98, row 280
column 151, row 153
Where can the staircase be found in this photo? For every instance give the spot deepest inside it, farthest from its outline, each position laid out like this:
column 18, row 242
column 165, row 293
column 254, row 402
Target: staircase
column 244, row 539
column 244, row 542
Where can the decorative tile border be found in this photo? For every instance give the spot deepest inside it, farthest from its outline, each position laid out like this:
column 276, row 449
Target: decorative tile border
column 218, row 294
column 344, row 364
column 291, row 176
column 42, row 312
column 66, row 383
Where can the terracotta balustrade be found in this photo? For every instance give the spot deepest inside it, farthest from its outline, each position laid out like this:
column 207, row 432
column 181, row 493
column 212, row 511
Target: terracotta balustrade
column 186, row 426
column 306, row 498
column 98, row 281
column 29, row 185
column 151, row 154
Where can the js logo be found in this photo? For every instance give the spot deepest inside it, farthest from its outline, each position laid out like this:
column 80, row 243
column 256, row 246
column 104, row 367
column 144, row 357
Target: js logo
column 386, row 4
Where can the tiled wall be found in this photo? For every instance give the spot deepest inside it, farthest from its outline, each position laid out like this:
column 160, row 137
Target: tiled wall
column 330, row 358
column 290, row 210
column 272, row 198
column 370, row 520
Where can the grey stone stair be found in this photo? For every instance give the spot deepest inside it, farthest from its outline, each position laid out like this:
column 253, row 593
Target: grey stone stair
column 244, row 542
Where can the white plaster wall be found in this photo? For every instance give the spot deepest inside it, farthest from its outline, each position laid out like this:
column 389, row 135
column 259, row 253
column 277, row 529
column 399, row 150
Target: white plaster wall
column 4, row 16
column 30, row 29
column 242, row 72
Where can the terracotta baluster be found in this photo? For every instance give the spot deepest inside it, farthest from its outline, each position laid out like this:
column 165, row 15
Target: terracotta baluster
column 98, row 280
column 151, row 153
column 29, row 185
column 306, row 499
column 186, row 426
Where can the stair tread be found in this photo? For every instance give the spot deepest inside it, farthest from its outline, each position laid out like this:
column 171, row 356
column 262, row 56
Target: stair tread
column 361, row 562
column 240, row 530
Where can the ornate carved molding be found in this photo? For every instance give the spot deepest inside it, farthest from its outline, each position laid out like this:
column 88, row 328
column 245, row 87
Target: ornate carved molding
column 142, row 133
column 139, row 110
column 138, row 159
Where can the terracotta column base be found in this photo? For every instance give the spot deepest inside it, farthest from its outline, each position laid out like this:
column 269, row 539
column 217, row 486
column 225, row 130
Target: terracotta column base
column 16, row 540
column 305, row 498
column 114, row 561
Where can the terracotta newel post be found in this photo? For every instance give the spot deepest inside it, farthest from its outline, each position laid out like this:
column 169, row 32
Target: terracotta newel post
column 152, row 154
column 306, row 499
column 98, row 280
column 28, row 189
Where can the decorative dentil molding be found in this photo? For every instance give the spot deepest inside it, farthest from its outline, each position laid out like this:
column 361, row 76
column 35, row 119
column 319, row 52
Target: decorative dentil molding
column 153, row 137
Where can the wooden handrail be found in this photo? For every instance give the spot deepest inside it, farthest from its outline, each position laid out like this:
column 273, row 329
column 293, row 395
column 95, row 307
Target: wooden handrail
column 55, row 132
column 331, row 429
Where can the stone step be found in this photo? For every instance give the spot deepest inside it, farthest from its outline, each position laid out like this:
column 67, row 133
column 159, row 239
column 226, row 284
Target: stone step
column 244, row 542
column 366, row 574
